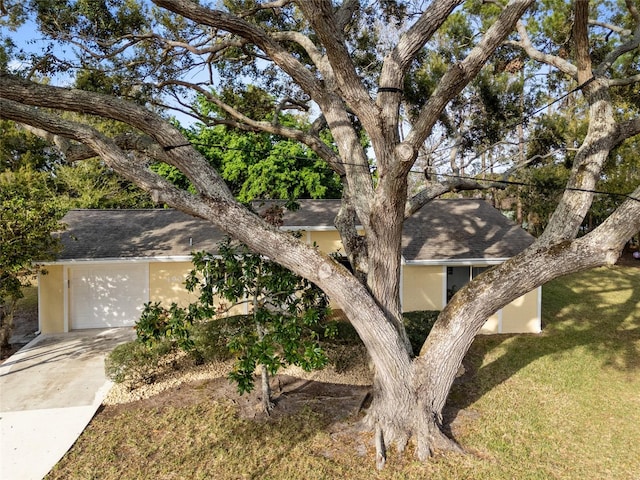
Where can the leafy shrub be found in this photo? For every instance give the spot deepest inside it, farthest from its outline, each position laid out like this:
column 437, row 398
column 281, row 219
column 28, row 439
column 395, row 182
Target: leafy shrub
column 210, row 338
column 418, row 325
column 158, row 323
column 136, row 363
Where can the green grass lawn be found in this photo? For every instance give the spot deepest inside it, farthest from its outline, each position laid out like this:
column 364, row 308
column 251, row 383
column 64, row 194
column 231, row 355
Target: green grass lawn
column 561, row 405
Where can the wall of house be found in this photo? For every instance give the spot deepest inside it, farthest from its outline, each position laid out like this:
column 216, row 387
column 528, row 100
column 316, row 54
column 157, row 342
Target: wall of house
column 522, row 315
column 166, row 285
column 328, row 242
column 51, row 299
column 422, row 287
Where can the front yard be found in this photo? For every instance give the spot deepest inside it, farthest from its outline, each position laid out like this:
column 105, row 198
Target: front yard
column 564, row 404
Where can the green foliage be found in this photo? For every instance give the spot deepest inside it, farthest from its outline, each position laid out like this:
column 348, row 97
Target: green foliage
column 418, row 325
column 284, row 327
column 19, row 148
column 257, row 165
column 285, row 310
column 136, row 363
column 160, row 324
column 90, row 184
column 28, row 216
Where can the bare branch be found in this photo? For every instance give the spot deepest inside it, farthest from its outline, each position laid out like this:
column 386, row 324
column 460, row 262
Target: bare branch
column 266, row 6
column 320, row 14
column 76, row 152
column 319, row 60
column 623, row 32
column 629, row 46
column 555, row 61
column 412, row 41
column 193, row 165
column 238, row 26
column 245, row 123
column 433, row 190
column 103, row 146
column 458, row 76
column 620, row 82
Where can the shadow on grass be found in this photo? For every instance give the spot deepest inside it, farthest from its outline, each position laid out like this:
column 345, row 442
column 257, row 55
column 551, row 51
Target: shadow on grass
column 598, row 309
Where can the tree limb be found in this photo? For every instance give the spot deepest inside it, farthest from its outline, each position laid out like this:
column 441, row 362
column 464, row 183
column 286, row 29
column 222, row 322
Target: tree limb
column 627, row 130
column 192, row 164
column 433, row 190
column 555, row 61
column 621, row 82
column 624, row 32
column 247, row 124
column 238, row 26
column 629, row 46
column 320, row 14
column 458, row 76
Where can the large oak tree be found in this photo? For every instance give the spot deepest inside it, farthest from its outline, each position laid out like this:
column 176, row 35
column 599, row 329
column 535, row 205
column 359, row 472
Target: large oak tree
column 344, row 58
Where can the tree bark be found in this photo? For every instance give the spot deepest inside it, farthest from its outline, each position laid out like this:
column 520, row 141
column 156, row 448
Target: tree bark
column 409, row 394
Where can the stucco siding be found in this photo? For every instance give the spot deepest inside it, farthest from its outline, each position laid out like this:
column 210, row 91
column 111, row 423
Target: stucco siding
column 422, row 288
column 166, row 283
column 492, row 325
column 51, row 299
column 521, row 315
column 327, row 242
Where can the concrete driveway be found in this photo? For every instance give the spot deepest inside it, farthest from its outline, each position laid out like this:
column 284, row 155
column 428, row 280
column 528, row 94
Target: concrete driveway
column 49, row 392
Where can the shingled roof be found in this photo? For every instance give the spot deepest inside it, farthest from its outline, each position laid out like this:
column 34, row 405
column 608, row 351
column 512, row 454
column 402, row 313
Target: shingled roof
column 442, row 230
column 461, row 229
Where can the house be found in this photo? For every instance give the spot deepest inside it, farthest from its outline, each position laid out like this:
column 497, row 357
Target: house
column 114, row 261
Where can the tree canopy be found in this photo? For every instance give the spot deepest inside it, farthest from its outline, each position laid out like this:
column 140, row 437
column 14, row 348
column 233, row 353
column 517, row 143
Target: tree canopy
column 391, row 90
column 27, row 219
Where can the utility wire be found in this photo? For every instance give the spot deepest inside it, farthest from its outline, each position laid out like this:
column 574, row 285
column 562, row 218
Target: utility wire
column 525, row 184
column 512, row 126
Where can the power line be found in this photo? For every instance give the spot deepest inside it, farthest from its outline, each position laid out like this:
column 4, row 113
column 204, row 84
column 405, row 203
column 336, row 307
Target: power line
column 526, row 184
column 462, row 177
column 512, row 126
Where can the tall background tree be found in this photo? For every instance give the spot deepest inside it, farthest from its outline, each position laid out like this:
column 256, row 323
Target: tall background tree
column 350, row 68
column 28, row 216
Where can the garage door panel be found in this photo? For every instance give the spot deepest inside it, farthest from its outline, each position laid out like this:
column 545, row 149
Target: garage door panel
column 107, row 296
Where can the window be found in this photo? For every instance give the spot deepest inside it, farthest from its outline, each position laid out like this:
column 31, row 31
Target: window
column 458, row 277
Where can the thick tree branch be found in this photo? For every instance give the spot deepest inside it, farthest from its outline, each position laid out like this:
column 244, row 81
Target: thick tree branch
column 621, row 82
column 321, row 15
column 458, row 76
column 633, row 10
column 553, row 60
column 319, row 60
column 77, row 152
column 388, row 351
column 397, row 62
column 266, row 6
column 581, row 39
column 247, row 124
column 623, row 32
column 627, row 130
column 192, row 164
column 413, row 40
column 233, row 24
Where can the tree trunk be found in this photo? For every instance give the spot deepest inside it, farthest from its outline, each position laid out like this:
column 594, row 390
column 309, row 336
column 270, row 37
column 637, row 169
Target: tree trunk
column 267, row 404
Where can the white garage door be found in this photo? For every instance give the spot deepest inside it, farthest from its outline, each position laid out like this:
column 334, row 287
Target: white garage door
column 107, row 295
